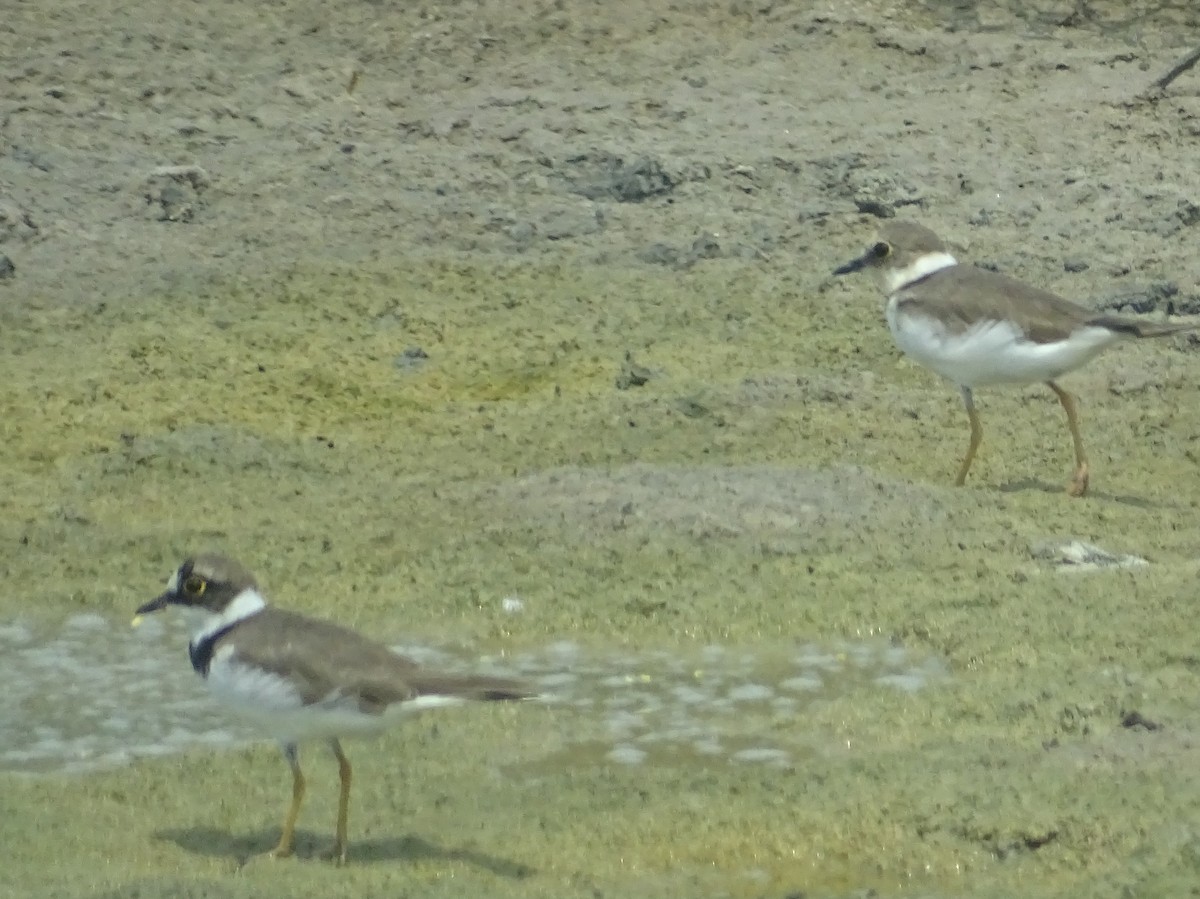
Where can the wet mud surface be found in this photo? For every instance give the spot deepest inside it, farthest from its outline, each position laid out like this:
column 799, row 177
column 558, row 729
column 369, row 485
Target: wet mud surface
column 507, row 333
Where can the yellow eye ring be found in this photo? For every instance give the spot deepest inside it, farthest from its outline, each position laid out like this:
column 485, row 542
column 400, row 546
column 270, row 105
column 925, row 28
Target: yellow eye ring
column 195, row 585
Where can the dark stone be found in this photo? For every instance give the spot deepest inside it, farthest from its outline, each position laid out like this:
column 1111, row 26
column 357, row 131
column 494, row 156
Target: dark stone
column 632, row 374
column 1136, row 720
column 413, row 357
column 1142, row 298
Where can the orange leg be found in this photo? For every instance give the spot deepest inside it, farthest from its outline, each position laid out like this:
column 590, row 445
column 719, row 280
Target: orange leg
column 1079, row 480
column 976, row 436
column 338, row 853
column 284, row 849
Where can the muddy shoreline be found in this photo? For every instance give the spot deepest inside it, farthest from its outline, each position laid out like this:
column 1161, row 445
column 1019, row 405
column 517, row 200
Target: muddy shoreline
column 416, row 310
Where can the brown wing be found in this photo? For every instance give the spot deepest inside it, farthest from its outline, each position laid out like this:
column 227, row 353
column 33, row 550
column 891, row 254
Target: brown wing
column 324, row 659
column 964, row 295
column 955, row 295
column 327, row 660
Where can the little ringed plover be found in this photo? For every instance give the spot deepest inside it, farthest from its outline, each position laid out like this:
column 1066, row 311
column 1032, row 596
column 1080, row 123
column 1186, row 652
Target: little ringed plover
column 976, row 327
column 301, row 678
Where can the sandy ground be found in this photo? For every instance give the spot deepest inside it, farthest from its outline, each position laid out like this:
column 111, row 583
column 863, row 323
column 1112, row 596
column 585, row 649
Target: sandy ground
column 416, row 306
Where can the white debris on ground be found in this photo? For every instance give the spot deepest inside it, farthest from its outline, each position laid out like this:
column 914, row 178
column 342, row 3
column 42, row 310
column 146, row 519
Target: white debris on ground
column 1078, row 556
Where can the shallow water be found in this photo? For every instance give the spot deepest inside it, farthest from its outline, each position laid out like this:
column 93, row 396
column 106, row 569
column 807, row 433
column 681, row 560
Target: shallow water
column 98, row 694
column 720, row 705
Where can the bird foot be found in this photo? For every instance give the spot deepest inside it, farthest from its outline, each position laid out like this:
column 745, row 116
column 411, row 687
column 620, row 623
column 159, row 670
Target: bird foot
column 336, row 854
column 1079, row 481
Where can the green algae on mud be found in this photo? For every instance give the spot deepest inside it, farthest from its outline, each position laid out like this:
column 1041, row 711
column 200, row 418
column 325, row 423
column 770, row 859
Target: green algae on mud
column 800, row 494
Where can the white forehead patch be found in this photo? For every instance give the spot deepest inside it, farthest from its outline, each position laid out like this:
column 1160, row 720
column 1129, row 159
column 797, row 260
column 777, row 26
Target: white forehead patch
column 173, row 583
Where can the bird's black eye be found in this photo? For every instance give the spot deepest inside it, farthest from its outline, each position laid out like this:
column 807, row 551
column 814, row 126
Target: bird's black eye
column 194, row 585
column 881, row 250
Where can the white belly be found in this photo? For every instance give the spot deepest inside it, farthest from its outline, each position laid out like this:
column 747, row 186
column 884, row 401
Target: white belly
column 992, row 352
column 276, row 707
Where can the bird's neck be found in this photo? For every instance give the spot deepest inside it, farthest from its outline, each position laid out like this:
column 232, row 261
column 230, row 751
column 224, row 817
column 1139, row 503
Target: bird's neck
column 205, row 623
column 922, row 267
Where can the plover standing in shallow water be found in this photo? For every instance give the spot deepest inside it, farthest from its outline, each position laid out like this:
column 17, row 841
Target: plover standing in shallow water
column 301, row 678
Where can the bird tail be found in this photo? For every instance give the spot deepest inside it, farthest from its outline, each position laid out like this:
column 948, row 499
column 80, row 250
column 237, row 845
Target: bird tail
column 477, row 687
column 1136, row 328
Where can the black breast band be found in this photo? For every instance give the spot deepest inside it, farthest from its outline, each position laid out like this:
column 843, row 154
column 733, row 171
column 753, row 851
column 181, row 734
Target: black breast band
column 201, row 653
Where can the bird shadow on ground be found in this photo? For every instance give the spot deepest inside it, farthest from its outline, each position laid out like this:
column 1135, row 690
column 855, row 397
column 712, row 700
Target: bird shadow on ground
column 309, row 846
column 1032, row 484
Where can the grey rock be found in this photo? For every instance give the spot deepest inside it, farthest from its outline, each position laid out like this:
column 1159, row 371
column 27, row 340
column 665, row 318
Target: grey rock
column 1141, row 297
column 174, row 192
column 411, row 359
